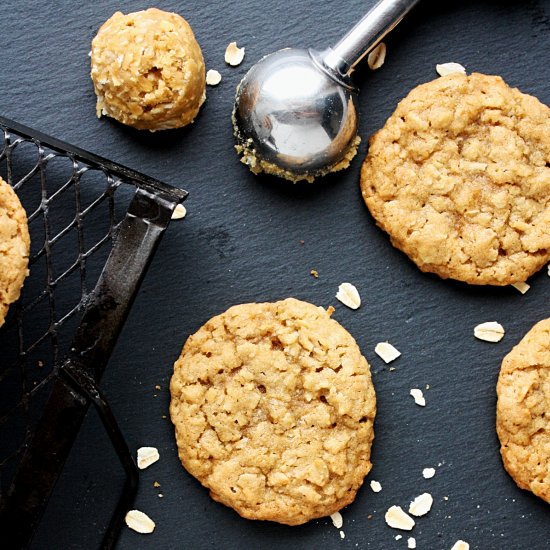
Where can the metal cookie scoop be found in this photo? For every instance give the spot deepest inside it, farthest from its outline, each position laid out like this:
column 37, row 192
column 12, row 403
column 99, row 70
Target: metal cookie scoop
column 295, row 112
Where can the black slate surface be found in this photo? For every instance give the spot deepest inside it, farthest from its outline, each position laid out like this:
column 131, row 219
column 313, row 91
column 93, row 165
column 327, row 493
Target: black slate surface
column 241, row 241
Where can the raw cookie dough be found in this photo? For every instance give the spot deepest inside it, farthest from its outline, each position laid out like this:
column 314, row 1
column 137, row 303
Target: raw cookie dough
column 14, row 248
column 148, row 70
column 459, row 177
column 523, row 411
column 273, row 406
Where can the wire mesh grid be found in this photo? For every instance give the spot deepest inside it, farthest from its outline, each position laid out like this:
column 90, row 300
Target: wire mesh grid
column 94, row 226
column 73, row 214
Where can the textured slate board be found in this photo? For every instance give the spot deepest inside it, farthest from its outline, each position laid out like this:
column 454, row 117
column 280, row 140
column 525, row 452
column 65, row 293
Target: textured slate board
column 241, row 242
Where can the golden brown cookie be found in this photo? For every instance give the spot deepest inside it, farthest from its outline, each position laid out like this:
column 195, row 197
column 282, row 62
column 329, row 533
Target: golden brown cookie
column 14, row 248
column 148, row 70
column 273, row 407
column 459, row 177
column 523, row 411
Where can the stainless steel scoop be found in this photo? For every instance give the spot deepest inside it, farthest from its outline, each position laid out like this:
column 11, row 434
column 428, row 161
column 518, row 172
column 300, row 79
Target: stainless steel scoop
column 295, row 111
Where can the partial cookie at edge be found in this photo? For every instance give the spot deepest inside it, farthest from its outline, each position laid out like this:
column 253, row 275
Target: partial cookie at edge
column 523, row 405
column 14, row 248
column 459, row 177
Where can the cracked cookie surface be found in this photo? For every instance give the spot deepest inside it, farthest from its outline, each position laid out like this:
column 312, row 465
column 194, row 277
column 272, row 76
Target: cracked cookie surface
column 273, row 407
column 523, row 421
column 459, row 177
column 14, row 248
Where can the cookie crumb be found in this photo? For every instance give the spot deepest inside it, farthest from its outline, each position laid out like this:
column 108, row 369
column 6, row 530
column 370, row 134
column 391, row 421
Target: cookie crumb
column 444, row 69
column 398, row 537
column 337, row 520
column 139, row 522
column 522, row 287
column 156, row 484
column 349, row 295
column 375, row 486
column 428, row 473
column 491, row 331
column 314, row 273
column 460, row 545
column 445, row 498
column 398, row 519
column 234, row 55
column 377, row 57
column 411, row 542
column 213, row 77
column 161, row 495
column 330, row 310
column 421, row 505
column 342, row 535
column 386, row 351
column 418, row 397
column 157, row 387
column 147, row 456
column 179, row 212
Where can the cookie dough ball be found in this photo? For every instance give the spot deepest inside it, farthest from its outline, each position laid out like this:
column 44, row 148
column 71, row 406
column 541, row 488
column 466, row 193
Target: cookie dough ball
column 273, row 406
column 14, row 248
column 148, row 70
column 523, row 422
column 459, row 177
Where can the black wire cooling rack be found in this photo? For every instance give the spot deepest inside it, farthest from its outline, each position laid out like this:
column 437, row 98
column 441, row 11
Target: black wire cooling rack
column 94, row 226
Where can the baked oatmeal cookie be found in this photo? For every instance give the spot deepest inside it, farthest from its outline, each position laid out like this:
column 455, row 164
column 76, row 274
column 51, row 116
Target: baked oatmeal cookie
column 148, row 70
column 273, row 407
column 459, row 177
column 523, row 417
column 14, row 248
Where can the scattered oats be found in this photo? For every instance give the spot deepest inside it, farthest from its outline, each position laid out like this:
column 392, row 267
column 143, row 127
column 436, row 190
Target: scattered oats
column 391, row 369
column 146, row 456
column 427, row 386
column 421, row 505
column 398, row 537
column 330, row 310
column 369, row 516
column 337, row 519
column 377, row 57
column 157, row 387
column 428, row 473
column 398, row 519
column 234, row 55
column 522, row 287
column 418, row 397
column 315, row 273
column 449, row 68
column 179, row 212
column 342, row 535
column 411, row 542
column 140, row 522
column 386, row 351
column 460, row 545
column 348, row 295
column 156, row 484
column 213, row 77
column 491, row 331
column 375, row 486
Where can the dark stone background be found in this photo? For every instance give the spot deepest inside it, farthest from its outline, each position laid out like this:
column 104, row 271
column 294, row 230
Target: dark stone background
column 241, row 242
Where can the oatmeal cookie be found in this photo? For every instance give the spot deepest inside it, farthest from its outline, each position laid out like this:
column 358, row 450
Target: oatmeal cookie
column 14, row 248
column 148, row 70
column 273, row 406
column 523, row 421
column 459, row 177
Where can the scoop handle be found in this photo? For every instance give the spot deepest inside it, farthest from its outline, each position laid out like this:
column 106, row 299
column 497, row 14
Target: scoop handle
column 365, row 35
